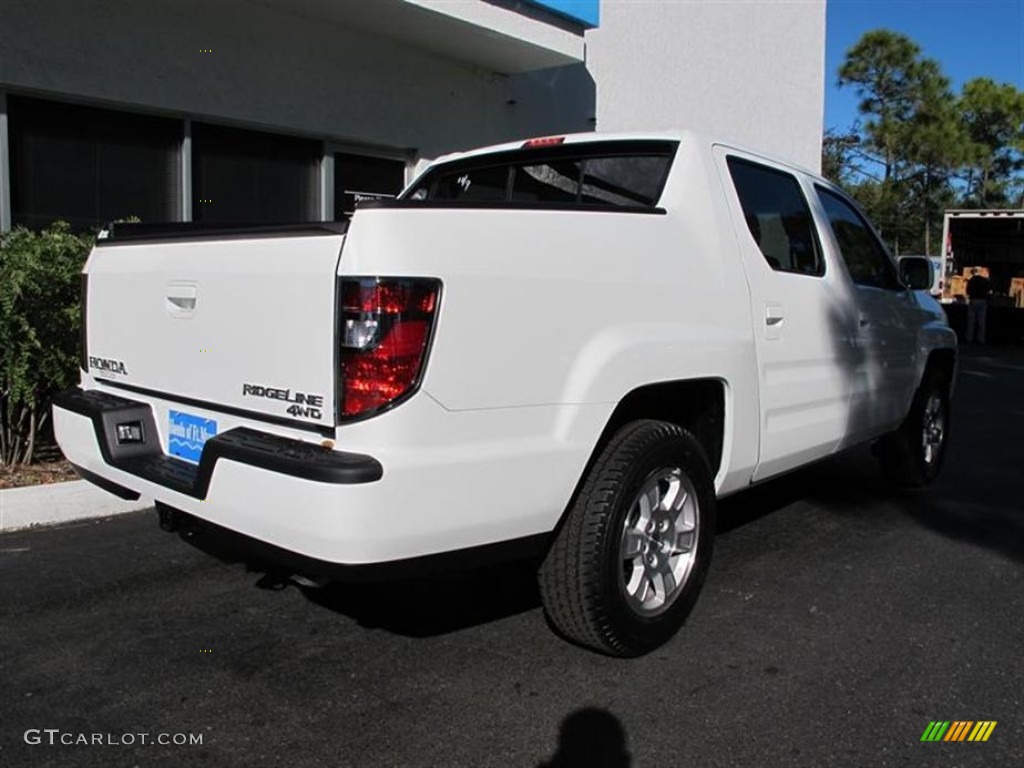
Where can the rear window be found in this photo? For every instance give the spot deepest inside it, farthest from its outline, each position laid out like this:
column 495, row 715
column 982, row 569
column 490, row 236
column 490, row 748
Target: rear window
column 600, row 174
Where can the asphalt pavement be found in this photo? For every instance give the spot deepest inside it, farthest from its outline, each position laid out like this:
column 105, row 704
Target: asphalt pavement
column 839, row 619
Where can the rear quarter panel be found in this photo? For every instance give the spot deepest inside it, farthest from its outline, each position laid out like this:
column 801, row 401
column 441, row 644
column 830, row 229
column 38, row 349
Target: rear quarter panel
column 543, row 308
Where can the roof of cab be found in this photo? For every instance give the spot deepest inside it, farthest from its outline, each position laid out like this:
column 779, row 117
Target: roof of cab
column 680, row 135
column 568, row 138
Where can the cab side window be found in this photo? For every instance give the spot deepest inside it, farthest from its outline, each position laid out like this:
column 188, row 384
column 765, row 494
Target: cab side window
column 866, row 258
column 778, row 217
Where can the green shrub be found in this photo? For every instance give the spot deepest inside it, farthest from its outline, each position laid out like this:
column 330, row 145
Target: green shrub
column 39, row 330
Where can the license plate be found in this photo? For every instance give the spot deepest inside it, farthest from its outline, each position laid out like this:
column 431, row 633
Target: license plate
column 187, row 434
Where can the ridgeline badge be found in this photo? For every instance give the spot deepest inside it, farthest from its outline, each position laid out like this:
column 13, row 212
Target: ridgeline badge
column 958, row 730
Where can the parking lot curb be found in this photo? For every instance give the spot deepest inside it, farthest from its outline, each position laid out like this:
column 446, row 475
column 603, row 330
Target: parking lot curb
column 53, row 503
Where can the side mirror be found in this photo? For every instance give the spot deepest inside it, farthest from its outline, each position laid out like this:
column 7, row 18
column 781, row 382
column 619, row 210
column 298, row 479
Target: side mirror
column 916, row 272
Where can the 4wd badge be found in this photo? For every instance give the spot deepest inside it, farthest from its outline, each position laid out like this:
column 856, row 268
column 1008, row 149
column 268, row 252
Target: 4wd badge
column 303, row 404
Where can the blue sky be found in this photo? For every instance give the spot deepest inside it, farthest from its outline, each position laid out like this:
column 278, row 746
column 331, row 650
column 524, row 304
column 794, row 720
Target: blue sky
column 969, row 38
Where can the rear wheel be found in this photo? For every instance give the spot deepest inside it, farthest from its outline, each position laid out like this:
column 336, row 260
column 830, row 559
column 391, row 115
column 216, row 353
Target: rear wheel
column 912, row 455
column 630, row 559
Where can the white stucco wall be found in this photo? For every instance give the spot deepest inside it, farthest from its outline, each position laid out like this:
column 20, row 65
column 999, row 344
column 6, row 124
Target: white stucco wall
column 751, row 71
column 277, row 65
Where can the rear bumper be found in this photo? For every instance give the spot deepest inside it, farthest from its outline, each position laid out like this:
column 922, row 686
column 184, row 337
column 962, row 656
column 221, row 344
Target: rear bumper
column 250, row 447
column 282, row 491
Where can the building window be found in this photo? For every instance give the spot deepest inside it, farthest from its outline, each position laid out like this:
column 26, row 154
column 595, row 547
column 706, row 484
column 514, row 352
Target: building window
column 357, row 177
column 91, row 166
column 247, row 177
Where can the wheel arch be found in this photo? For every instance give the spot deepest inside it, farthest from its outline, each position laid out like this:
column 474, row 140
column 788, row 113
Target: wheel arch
column 943, row 362
column 697, row 405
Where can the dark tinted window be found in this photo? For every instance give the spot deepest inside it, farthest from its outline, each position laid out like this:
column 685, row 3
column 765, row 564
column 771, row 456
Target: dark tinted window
column 91, row 166
column 615, row 174
column 592, row 180
column 247, row 177
column 554, row 182
column 778, row 217
column 357, row 178
column 865, row 257
column 633, row 180
column 472, row 184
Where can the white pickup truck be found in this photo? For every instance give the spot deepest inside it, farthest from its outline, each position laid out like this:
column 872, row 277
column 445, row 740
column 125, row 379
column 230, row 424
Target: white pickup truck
column 566, row 347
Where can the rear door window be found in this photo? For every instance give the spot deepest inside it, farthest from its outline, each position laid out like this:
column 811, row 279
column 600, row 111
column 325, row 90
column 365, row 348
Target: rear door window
column 778, row 217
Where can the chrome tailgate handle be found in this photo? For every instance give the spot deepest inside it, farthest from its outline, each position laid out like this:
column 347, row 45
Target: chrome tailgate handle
column 181, row 298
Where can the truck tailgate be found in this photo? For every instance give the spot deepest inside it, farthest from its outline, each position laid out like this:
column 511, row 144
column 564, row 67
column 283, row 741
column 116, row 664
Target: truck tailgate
column 239, row 323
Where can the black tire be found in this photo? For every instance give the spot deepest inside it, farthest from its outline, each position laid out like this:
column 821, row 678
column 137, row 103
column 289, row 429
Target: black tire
column 912, row 456
column 594, row 594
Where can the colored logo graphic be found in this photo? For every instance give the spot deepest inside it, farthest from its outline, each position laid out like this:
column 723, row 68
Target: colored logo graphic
column 958, row 730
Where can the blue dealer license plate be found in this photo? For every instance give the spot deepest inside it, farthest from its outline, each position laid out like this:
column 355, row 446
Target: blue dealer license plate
column 187, row 434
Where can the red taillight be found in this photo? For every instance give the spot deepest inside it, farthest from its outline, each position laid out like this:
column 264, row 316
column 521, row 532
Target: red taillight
column 385, row 329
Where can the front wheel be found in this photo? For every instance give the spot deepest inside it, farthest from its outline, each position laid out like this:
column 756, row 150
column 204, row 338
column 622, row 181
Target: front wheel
column 912, row 455
column 628, row 563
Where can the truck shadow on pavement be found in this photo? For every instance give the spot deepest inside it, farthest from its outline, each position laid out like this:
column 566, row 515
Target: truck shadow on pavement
column 979, row 495
column 971, row 502
column 436, row 605
column 448, row 602
column 414, row 607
